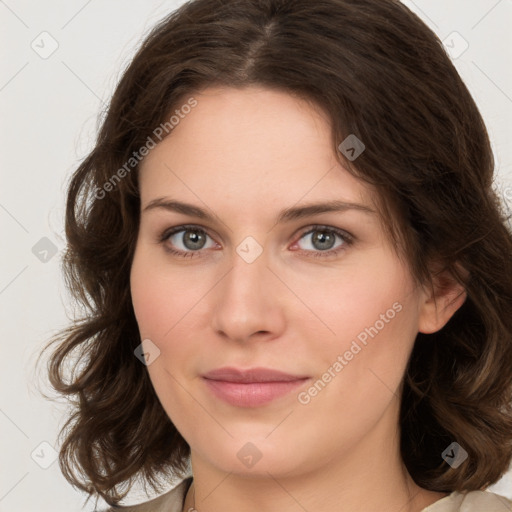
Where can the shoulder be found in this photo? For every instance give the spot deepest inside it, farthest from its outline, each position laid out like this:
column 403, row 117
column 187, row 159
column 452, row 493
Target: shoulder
column 171, row 501
column 473, row 501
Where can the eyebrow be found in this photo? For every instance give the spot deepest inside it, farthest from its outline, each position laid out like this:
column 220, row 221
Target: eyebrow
column 286, row 215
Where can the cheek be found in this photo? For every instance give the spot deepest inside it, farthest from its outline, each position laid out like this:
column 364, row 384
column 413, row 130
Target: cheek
column 370, row 296
column 360, row 368
column 379, row 353
column 372, row 312
column 162, row 309
column 151, row 306
column 168, row 310
column 160, row 298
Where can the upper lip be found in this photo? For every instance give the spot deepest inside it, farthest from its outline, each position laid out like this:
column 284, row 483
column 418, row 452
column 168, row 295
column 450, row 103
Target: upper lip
column 229, row 374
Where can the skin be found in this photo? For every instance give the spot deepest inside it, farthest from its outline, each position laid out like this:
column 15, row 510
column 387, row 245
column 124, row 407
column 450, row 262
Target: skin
column 244, row 155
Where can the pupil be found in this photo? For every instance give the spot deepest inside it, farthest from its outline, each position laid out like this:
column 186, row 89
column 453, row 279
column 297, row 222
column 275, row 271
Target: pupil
column 193, row 240
column 323, row 240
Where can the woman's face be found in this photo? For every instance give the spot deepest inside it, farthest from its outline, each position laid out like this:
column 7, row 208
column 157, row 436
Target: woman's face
column 262, row 279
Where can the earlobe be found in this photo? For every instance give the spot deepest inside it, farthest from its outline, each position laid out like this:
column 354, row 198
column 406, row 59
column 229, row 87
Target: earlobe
column 441, row 301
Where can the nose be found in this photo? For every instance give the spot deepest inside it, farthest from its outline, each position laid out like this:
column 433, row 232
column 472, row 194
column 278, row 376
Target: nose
column 248, row 302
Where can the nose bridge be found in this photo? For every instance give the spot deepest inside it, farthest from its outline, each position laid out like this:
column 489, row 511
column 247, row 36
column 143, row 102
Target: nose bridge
column 244, row 285
column 244, row 302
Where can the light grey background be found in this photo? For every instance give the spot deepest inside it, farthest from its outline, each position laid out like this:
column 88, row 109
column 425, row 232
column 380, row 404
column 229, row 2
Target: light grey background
column 49, row 111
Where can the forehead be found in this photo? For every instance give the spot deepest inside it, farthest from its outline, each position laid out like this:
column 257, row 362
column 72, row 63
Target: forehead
column 250, row 146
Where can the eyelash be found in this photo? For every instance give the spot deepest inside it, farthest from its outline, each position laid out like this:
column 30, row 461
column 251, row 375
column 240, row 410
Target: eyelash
column 347, row 238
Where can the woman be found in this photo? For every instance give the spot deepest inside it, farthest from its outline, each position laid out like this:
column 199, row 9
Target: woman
column 298, row 276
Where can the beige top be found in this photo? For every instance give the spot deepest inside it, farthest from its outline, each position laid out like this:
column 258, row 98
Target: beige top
column 474, row 501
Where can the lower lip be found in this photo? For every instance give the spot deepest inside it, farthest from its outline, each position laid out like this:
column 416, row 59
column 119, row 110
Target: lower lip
column 253, row 394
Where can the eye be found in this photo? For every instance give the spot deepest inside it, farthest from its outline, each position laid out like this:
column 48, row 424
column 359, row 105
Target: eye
column 186, row 241
column 325, row 241
column 189, row 241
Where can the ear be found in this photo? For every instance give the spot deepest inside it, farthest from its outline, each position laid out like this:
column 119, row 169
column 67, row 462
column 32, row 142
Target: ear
column 441, row 300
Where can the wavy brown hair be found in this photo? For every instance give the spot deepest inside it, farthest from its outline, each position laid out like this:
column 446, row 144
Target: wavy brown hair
column 377, row 71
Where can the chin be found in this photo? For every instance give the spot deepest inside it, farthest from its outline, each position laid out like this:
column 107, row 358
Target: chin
column 252, row 456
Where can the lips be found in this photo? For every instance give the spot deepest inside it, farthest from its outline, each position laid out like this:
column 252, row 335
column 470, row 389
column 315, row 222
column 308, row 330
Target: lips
column 251, row 375
column 252, row 387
